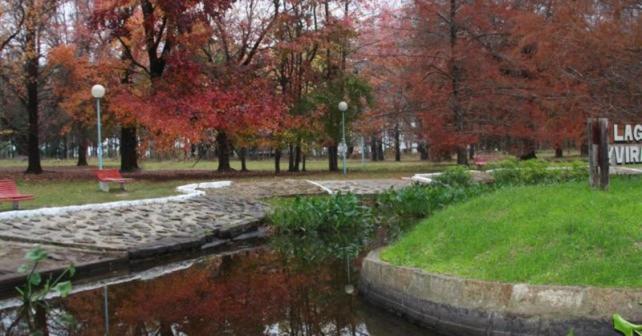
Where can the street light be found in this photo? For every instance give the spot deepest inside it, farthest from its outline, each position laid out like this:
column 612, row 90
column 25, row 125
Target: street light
column 343, row 147
column 98, row 92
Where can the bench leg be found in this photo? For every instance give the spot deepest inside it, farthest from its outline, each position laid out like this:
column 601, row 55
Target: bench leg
column 122, row 187
column 16, row 205
column 104, row 186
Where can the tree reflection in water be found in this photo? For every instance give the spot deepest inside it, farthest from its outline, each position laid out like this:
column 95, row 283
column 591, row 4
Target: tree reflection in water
column 250, row 293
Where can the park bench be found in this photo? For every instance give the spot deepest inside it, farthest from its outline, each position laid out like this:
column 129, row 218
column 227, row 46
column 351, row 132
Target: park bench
column 107, row 176
column 480, row 161
column 9, row 193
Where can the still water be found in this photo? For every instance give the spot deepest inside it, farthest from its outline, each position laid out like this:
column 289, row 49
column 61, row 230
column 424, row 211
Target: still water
column 246, row 293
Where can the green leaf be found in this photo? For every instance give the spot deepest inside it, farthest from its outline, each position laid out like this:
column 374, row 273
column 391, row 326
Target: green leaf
column 37, row 254
column 63, row 288
column 24, row 268
column 34, row 279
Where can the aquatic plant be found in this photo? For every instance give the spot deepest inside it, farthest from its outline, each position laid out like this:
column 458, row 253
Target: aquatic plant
column 322, row 228
column 33, row 312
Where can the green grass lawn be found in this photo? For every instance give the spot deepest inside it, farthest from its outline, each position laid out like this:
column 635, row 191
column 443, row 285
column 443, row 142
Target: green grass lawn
column 562, row 234
column 50, row 193
column 408, row 164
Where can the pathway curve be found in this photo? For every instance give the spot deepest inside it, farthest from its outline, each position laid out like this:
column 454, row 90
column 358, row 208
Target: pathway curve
column 137, row 231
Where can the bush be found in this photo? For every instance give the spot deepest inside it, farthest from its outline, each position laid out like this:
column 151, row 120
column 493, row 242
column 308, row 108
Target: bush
column 410, row 202
column 513, row 172
column 455, row 177
column 316, row 229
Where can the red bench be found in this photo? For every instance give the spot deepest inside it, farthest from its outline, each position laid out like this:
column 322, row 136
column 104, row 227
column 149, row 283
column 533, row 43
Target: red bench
column 480, row 161
column 9, row 193
column 107, row 176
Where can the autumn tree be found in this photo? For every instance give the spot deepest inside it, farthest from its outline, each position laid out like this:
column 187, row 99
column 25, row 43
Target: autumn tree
column 388, row 64
column 27, row 23
column 587, row 55
column 237, row 56
column 299, row 39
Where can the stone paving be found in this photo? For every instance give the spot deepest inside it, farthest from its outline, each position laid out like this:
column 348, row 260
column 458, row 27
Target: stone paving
column 221, row 214
column 129, row 227
column 262, row 190
column 12, row 254
column 364, row 187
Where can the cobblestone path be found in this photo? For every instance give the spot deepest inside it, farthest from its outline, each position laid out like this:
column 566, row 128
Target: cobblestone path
column 86, row 235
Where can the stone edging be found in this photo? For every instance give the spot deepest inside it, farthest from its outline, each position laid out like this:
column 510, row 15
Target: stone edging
column 321, row 186
column 456, row 306
column 424, row 178
column 190, row 191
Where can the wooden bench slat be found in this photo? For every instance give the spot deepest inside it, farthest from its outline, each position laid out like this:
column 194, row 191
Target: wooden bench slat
column 107, row 176
column 9, row 192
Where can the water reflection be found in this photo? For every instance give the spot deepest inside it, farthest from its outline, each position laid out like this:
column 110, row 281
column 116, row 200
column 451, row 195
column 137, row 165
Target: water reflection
column 250, row 293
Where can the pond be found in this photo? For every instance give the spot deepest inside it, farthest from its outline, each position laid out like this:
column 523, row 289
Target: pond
column 251, row 292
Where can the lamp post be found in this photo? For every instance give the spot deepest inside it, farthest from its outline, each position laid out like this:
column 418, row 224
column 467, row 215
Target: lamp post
column 343, row 147
column 98, row 92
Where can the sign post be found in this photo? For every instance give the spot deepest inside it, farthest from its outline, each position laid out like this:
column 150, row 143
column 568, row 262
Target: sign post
column 598, row 138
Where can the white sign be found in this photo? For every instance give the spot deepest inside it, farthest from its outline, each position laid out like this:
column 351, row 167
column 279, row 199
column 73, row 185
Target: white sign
column 627, row 147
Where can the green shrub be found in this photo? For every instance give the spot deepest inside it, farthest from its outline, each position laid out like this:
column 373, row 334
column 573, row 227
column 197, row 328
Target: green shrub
column 410, row 202
column 455, row 177
column 513, row 172
column 316, row 229
column 399, row 209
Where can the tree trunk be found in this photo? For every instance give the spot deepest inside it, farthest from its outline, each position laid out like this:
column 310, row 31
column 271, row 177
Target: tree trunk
column 128, row 149
column 333, row 158
column 462, row 155
column 297, row 158
column 65, row 147
column 559, row 152
column 82, row 148
column 456, row 78
column 243, row 156
column 223, row 150
column 373, row 149
column 303, row 162
column 291, row 158
column 31, row 86
column 277, row 160
column 397, row 144
column 584, row 149
column 423, row 151
column 380, row 151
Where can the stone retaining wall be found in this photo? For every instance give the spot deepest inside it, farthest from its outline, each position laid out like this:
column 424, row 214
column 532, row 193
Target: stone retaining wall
column 455, row 306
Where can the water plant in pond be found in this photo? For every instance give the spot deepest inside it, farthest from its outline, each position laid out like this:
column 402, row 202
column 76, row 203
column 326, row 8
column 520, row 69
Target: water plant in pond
column 400, row 209
column 321, row 228
column 34, row 294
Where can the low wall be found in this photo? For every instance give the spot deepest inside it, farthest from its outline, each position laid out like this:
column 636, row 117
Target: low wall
column 455, row 306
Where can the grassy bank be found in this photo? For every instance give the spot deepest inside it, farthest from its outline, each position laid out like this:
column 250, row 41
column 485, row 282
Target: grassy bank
column 558, row 234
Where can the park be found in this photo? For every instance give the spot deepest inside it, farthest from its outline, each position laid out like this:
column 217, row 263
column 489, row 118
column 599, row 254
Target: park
column 320, row 167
